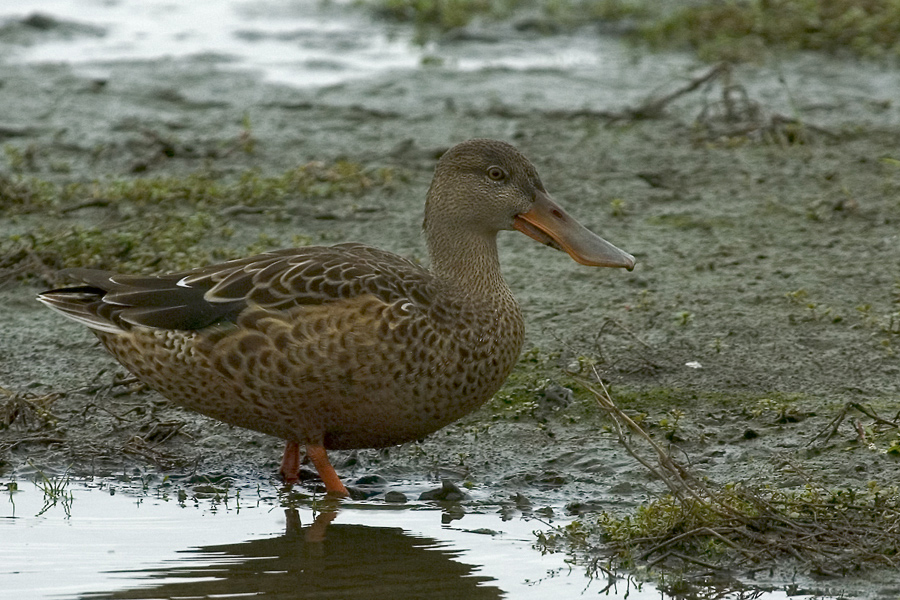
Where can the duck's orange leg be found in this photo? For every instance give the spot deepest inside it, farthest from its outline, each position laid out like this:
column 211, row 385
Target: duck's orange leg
column 290, row 463
column 319, row 458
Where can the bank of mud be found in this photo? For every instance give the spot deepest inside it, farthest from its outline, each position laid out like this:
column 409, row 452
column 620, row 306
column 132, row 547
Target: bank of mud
column 764, row 301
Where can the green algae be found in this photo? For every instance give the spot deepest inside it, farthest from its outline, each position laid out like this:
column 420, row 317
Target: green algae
column 161, row 223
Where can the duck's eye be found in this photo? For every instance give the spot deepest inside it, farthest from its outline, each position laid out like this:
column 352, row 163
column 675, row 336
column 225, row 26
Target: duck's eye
column 496, row 173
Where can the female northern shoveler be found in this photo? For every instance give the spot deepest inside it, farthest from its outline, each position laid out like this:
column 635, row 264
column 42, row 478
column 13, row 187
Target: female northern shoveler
column 344, row 346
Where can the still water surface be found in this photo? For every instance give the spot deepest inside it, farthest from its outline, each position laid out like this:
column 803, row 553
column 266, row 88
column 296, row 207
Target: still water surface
column 110, row 540
column 315, row 44
column 304, row 43
column 131, row 544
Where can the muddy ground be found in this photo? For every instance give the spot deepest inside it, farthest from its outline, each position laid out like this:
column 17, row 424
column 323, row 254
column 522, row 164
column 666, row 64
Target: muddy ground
column 765, row 297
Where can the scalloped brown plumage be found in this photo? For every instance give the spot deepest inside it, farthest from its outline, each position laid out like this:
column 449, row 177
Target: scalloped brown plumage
column 344, row 346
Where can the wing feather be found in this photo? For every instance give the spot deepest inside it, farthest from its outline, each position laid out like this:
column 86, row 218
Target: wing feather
column 279, row 280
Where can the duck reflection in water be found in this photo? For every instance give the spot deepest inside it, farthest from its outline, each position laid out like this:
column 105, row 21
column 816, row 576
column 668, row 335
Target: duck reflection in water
column 321, row 560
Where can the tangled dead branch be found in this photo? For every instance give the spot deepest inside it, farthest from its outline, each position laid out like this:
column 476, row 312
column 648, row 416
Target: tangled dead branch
column 30, row 411
column 881, row 423
column 703, row 525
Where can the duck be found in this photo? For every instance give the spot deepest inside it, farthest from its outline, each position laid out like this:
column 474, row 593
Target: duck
column 345, row 346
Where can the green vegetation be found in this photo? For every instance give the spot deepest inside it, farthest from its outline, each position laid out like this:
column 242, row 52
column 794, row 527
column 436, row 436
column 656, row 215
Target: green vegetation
column 533, row 374
column 56, row 491
column 663, row 399
column 735, row 30
column 741, row 30
column 674, row 413
column 687, row 222
column 163, row 223
column 197, row 191
column 884, row 325
column 782, row 407
column 736, row 527
column 838, row 531
column 815, row 311
column 617, row 207
column 24, row 195
column 444, row 15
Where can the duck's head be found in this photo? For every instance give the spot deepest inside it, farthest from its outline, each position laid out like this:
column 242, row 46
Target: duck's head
column 485, row 186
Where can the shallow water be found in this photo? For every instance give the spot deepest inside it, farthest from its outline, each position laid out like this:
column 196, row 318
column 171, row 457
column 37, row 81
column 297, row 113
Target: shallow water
column 312, row 44
column 102, row 542
column 302, row 43
column 111, row 540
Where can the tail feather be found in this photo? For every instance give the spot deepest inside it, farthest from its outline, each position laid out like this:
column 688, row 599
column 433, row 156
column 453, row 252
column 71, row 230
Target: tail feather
column 81, row 304
column 115, row 303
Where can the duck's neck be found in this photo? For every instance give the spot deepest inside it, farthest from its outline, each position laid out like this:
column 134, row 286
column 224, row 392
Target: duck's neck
column 468, row 261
